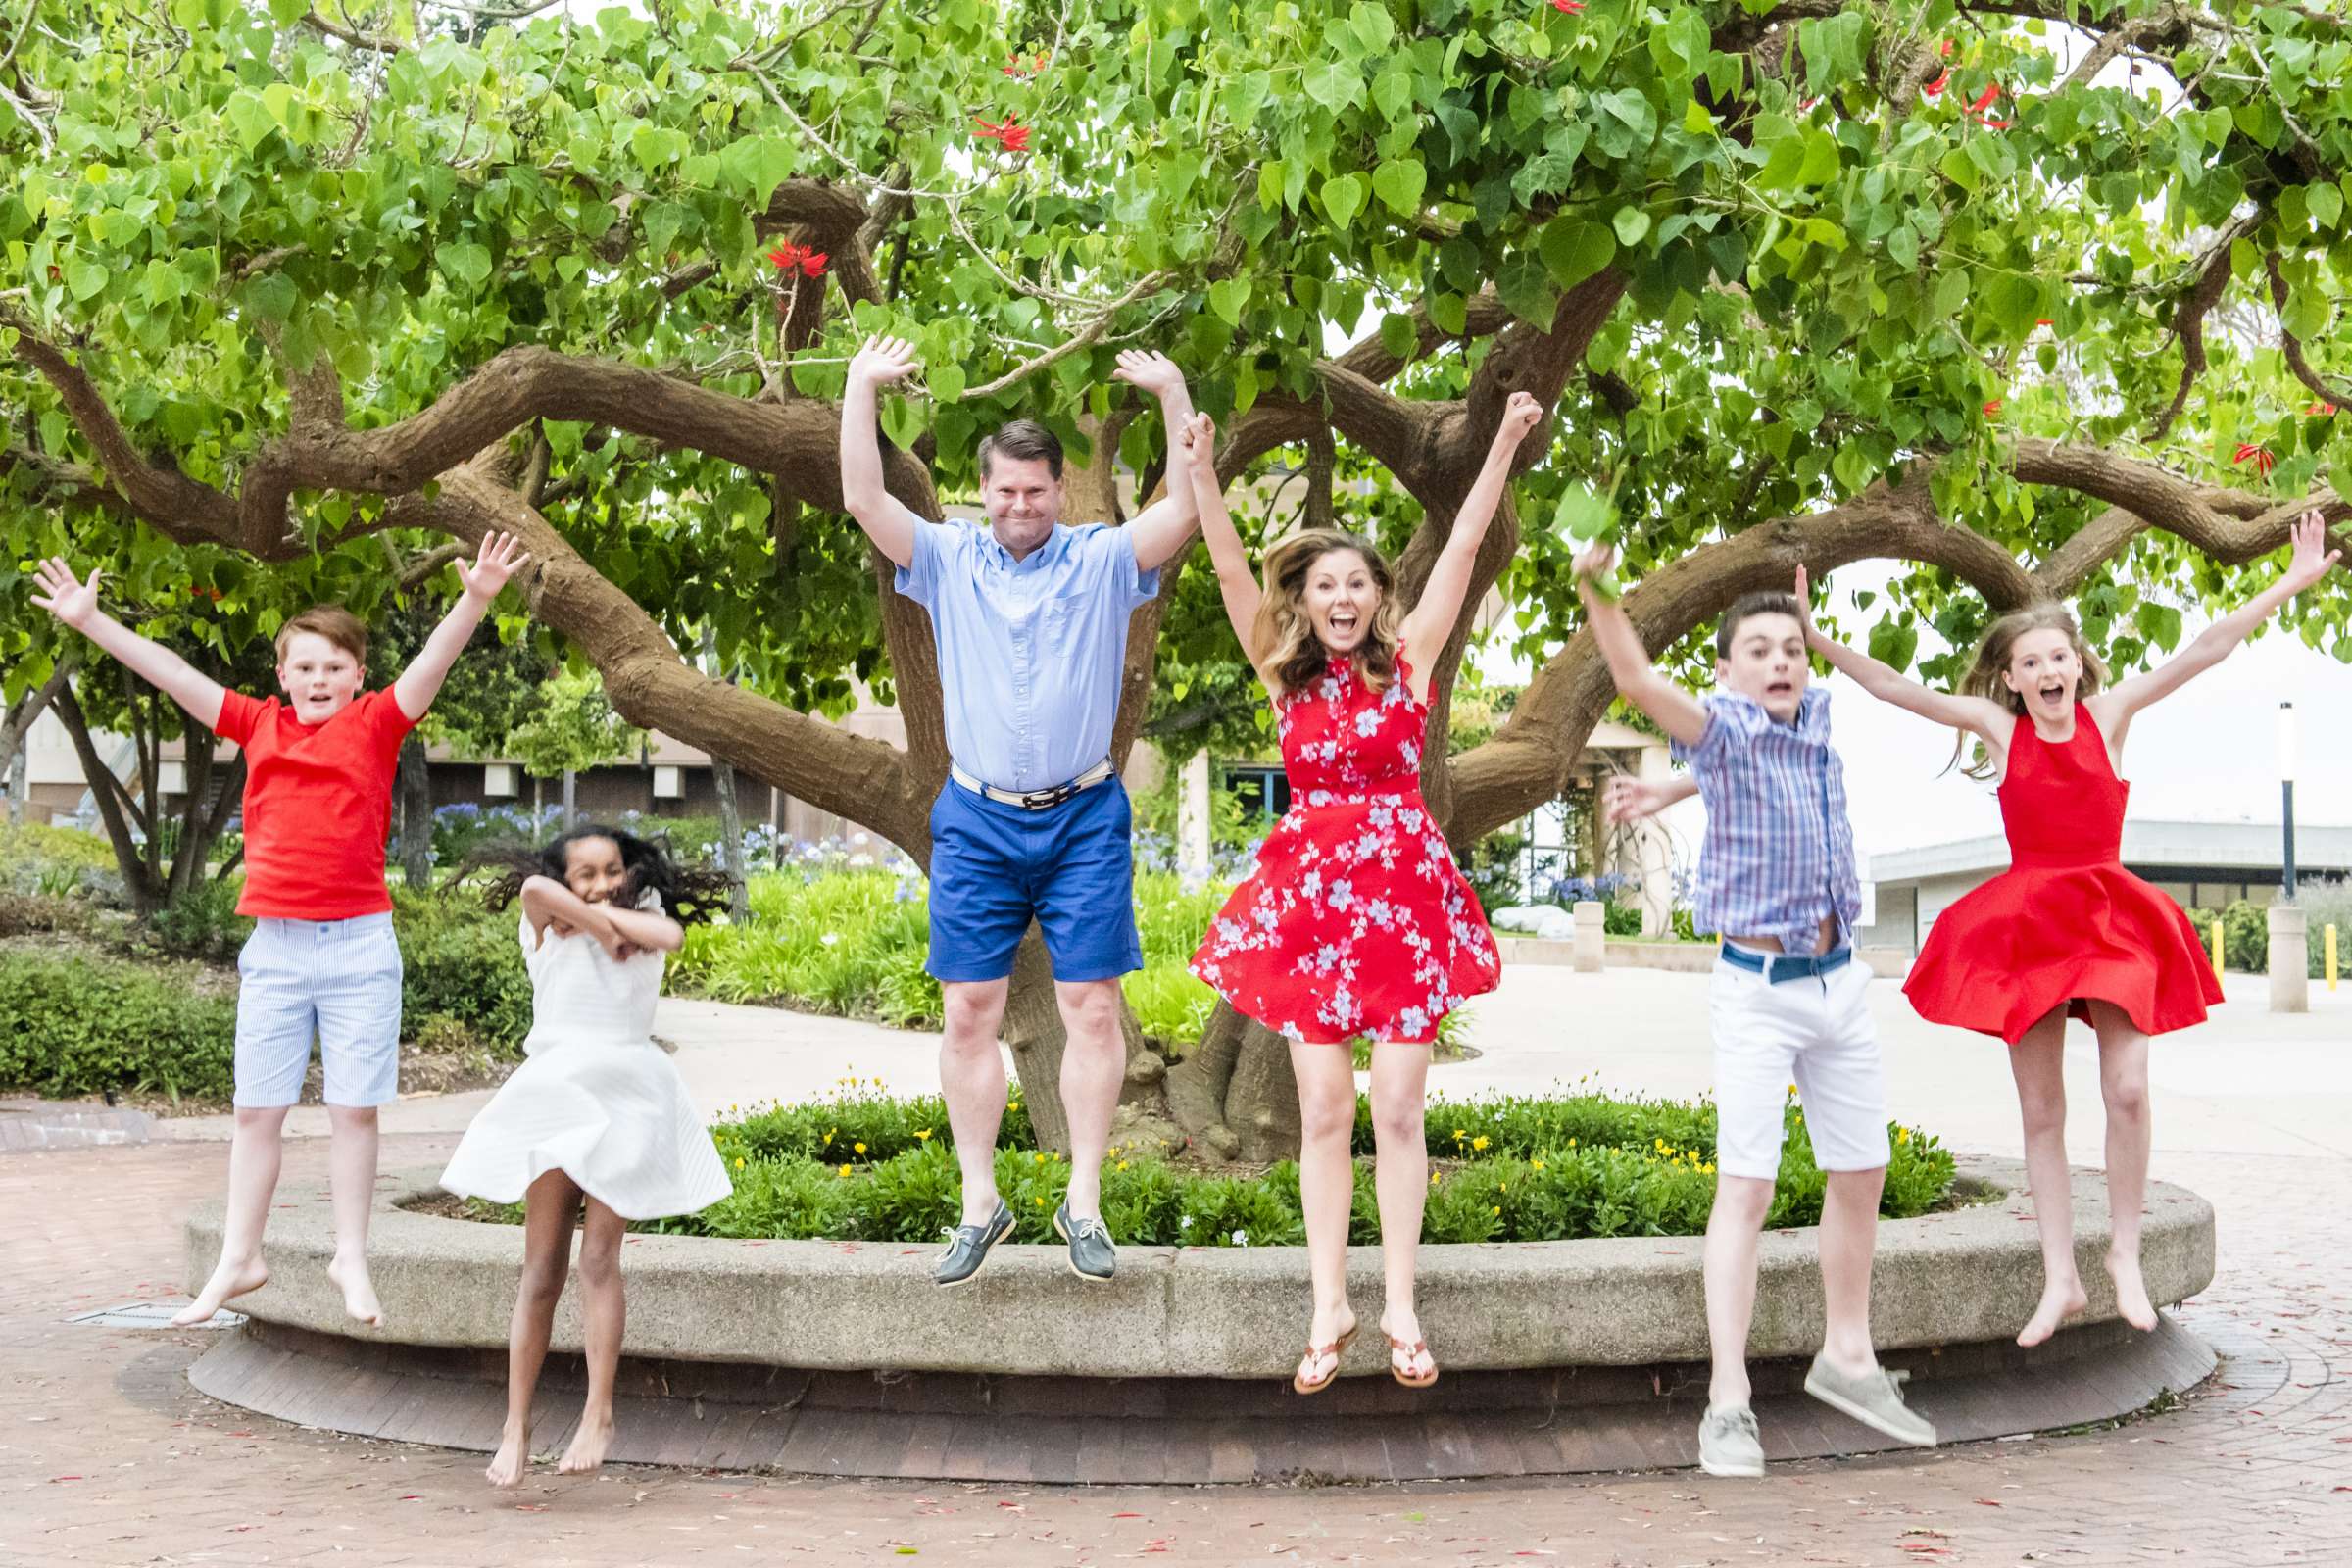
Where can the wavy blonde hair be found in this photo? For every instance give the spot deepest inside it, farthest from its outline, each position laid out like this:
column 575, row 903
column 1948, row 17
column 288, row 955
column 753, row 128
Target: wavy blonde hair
column 1984, row 677
column 1295, row 655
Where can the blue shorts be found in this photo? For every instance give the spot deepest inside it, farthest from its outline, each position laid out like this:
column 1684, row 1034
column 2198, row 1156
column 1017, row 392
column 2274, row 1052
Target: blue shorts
column 1071, row 867
column 335, row 981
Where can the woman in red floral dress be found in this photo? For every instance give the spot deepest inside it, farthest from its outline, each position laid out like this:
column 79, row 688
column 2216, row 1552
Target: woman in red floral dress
column 1355, row 922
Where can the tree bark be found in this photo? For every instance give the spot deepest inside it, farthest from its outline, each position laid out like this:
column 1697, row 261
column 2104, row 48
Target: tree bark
column 730, row 841
column 414, row 781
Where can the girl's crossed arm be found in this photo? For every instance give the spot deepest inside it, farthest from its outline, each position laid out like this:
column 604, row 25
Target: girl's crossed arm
column 619, row 932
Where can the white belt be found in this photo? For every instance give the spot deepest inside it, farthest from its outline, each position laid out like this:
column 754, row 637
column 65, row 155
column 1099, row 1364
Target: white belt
column 1036, row 800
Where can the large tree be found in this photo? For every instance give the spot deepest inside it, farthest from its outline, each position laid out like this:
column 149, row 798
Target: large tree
column 2034, row 297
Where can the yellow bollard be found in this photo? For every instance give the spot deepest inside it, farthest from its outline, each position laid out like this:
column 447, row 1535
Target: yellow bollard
column 2331, row 956
column 2216, row 948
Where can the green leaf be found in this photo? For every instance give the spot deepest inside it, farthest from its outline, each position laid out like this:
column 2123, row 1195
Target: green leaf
column 1526, row 290
column 463, row 261
column 1631, row 223
column 1371, row 26
column 1894, row 645
column 1584, row 515
column 1228, row 296
column 1576, row 248
column 1343, row 199
column 2326, row 201
column 901, row 421
column 2158, row 623
column 86, row 278
column 946, row 382
column 1397, row 335
column 250, row 120
column 1398, row 182
column 1335, row 85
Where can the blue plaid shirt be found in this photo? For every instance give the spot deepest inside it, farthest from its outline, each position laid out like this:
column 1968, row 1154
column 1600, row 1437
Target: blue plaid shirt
column 1779, row 854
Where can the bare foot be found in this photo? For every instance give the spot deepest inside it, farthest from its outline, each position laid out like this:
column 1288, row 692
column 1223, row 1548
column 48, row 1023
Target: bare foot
column 2061, row 1299
column 350, row 1274
column 231, row 1278
column 514, row 1456
column 2131, row 1291
column 588, row 1445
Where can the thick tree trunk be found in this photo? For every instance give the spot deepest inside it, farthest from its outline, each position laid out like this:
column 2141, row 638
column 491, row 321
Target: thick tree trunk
column 414, row 781
column 115, row 807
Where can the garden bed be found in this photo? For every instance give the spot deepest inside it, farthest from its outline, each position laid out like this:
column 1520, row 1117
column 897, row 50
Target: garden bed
column 864, row 1166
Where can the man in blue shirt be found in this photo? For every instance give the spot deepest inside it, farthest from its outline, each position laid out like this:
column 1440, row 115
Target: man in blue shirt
column 1030, row 617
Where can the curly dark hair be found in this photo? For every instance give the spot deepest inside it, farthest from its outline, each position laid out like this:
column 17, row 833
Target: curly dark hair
column 689, row 893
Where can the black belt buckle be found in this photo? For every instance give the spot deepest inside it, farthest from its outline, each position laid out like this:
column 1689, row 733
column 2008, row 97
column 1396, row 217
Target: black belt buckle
column 1039, row 800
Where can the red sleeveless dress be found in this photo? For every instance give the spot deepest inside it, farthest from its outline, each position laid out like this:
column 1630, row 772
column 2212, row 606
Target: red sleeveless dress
column 1355, row 921
column 2066, row 924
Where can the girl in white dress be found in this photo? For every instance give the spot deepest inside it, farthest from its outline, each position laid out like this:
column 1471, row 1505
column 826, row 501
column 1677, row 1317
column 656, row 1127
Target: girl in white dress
column 596, row 1118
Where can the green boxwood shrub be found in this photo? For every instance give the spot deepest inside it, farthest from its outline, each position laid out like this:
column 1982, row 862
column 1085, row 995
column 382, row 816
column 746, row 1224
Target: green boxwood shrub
column 864, row 1166
column 461, row 965
column 82, row 1026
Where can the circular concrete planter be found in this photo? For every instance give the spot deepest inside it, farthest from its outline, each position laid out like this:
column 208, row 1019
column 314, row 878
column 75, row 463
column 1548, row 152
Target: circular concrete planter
column 825, row 1355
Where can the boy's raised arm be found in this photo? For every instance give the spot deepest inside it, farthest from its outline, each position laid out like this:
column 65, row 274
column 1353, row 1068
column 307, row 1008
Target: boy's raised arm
column 76, row 603
column 493, row 564
column 1638, row 681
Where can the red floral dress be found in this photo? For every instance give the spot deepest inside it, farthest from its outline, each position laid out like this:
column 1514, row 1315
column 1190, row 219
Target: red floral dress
column 1355, row 921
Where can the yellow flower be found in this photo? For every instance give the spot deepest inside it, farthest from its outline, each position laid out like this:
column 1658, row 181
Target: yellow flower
column 859, row 1147
column 1041, row 1203
column 1499, row 1208
column 1502, row 1187
column 1571, row 1143
column 844, row 1170
column 1040, row 1159
column 1903, row 1135
column 1460, row 1133
column 1122, row 1164
column 1478, row 1143
column 738, row 1162
column 924, row 1134
column 1539, row 1164
column 829, row 1131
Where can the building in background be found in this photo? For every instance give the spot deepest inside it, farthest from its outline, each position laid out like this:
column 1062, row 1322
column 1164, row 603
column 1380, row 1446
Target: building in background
column 2201, row 865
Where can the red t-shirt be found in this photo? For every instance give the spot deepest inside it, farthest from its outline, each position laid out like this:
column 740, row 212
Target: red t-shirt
column 317, row 804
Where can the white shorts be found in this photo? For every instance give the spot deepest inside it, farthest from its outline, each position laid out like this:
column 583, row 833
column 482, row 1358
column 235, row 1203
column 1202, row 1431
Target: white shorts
column 337, row 981
column 1814, row 1031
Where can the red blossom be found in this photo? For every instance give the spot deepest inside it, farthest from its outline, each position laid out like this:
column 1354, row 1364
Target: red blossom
column 1023, row 70
column 1981, row 110
column 1011, row 136
column 1935, row 89
column 2321, row 410
column 810, row 260
column 2260, row 456
column 1944, row 48
column 1568, row 8
column 1993, row 407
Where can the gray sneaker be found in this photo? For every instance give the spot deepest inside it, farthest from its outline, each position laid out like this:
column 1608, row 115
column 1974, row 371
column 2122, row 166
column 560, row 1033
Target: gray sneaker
column 968, row 1247
column 1091, row 1252
column 1728, row 1443
column 1873, row 1397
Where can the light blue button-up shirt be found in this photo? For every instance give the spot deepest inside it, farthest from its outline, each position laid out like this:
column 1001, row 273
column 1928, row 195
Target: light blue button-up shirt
column 1779, row 854
column 1030, row 652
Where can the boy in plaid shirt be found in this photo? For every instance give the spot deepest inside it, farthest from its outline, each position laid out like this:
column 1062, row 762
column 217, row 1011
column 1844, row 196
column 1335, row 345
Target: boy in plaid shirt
column 1788, row 1002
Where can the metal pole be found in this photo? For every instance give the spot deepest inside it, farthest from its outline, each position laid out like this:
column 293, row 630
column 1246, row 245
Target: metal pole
column 2287, row 786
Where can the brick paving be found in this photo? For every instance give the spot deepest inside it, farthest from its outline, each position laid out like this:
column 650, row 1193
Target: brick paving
column 107, row 1456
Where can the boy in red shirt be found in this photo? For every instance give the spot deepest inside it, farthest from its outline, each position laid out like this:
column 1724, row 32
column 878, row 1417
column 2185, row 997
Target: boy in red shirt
column 321, row 960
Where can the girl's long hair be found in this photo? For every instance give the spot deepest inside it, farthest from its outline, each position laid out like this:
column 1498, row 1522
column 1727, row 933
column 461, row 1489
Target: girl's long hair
column 688, row 892
column 1295, row 656
column 1984, row 677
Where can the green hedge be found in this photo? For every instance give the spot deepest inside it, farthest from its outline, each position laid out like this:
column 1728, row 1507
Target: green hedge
column 81, row 1026
column 2246, row 929
column 864, row 1166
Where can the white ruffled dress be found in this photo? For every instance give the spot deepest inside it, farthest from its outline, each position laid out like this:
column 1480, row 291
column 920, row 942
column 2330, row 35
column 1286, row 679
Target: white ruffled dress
column 595, row 1097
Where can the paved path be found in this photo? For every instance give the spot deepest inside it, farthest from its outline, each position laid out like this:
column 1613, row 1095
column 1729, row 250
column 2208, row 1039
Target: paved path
column 107, row 1457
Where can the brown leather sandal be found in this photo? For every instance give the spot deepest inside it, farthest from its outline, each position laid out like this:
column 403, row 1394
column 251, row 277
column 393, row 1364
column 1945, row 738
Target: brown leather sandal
column 1411, row 1353
column 1315, row 1352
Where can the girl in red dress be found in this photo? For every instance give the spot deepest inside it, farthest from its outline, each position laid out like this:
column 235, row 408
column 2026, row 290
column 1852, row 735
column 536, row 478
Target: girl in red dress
column 2067, row 932
column 1355, row 921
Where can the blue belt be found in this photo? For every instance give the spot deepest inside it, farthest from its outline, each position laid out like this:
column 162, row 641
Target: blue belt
column 1775, row 967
